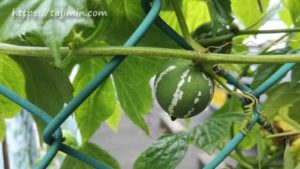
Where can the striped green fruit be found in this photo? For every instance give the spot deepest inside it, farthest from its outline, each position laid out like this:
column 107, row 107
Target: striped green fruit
column 182, row 89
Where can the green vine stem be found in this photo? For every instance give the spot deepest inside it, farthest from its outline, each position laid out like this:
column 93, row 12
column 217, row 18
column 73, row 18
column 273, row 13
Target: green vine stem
column 56, row 54
column 247, row 32
column 241, row 161
column 261, row 9
column 284, row 115
column 272, row 158
column 264, row 50
column 151, row 52
column 242, row 156
column 271, row 136
column 184, row 28
column 209, row 41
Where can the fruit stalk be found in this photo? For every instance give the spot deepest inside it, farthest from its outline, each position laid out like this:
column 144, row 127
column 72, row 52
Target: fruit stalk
column 184, row 28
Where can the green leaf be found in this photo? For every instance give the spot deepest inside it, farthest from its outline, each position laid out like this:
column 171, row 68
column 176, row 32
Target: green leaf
column 94, row 151
column 46, row 86
column 129, row 14
column 285, row 16
column 289, row 162
column 114, row 120
column 123, row 18
column 238, row 45
column 293, row 6
column 193, row 17
column 231, row 111
column 6, row 26
column 70, row 139
column 293, row 112
column 248, row 12
column 296, row 75
column 210, row 134
column 167, row 5
column 275, row 99
column 284, row 116
column 250, row 140
column 51, row 25
column 132, row 84
column 220, row 13
column 2, row 129
column 11, row 77
column 100, row 105
column 294, row 42
column 261, row 146
column 263, row 72
column 166, row 153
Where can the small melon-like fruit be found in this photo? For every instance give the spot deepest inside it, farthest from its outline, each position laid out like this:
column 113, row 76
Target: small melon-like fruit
column 182, row 89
